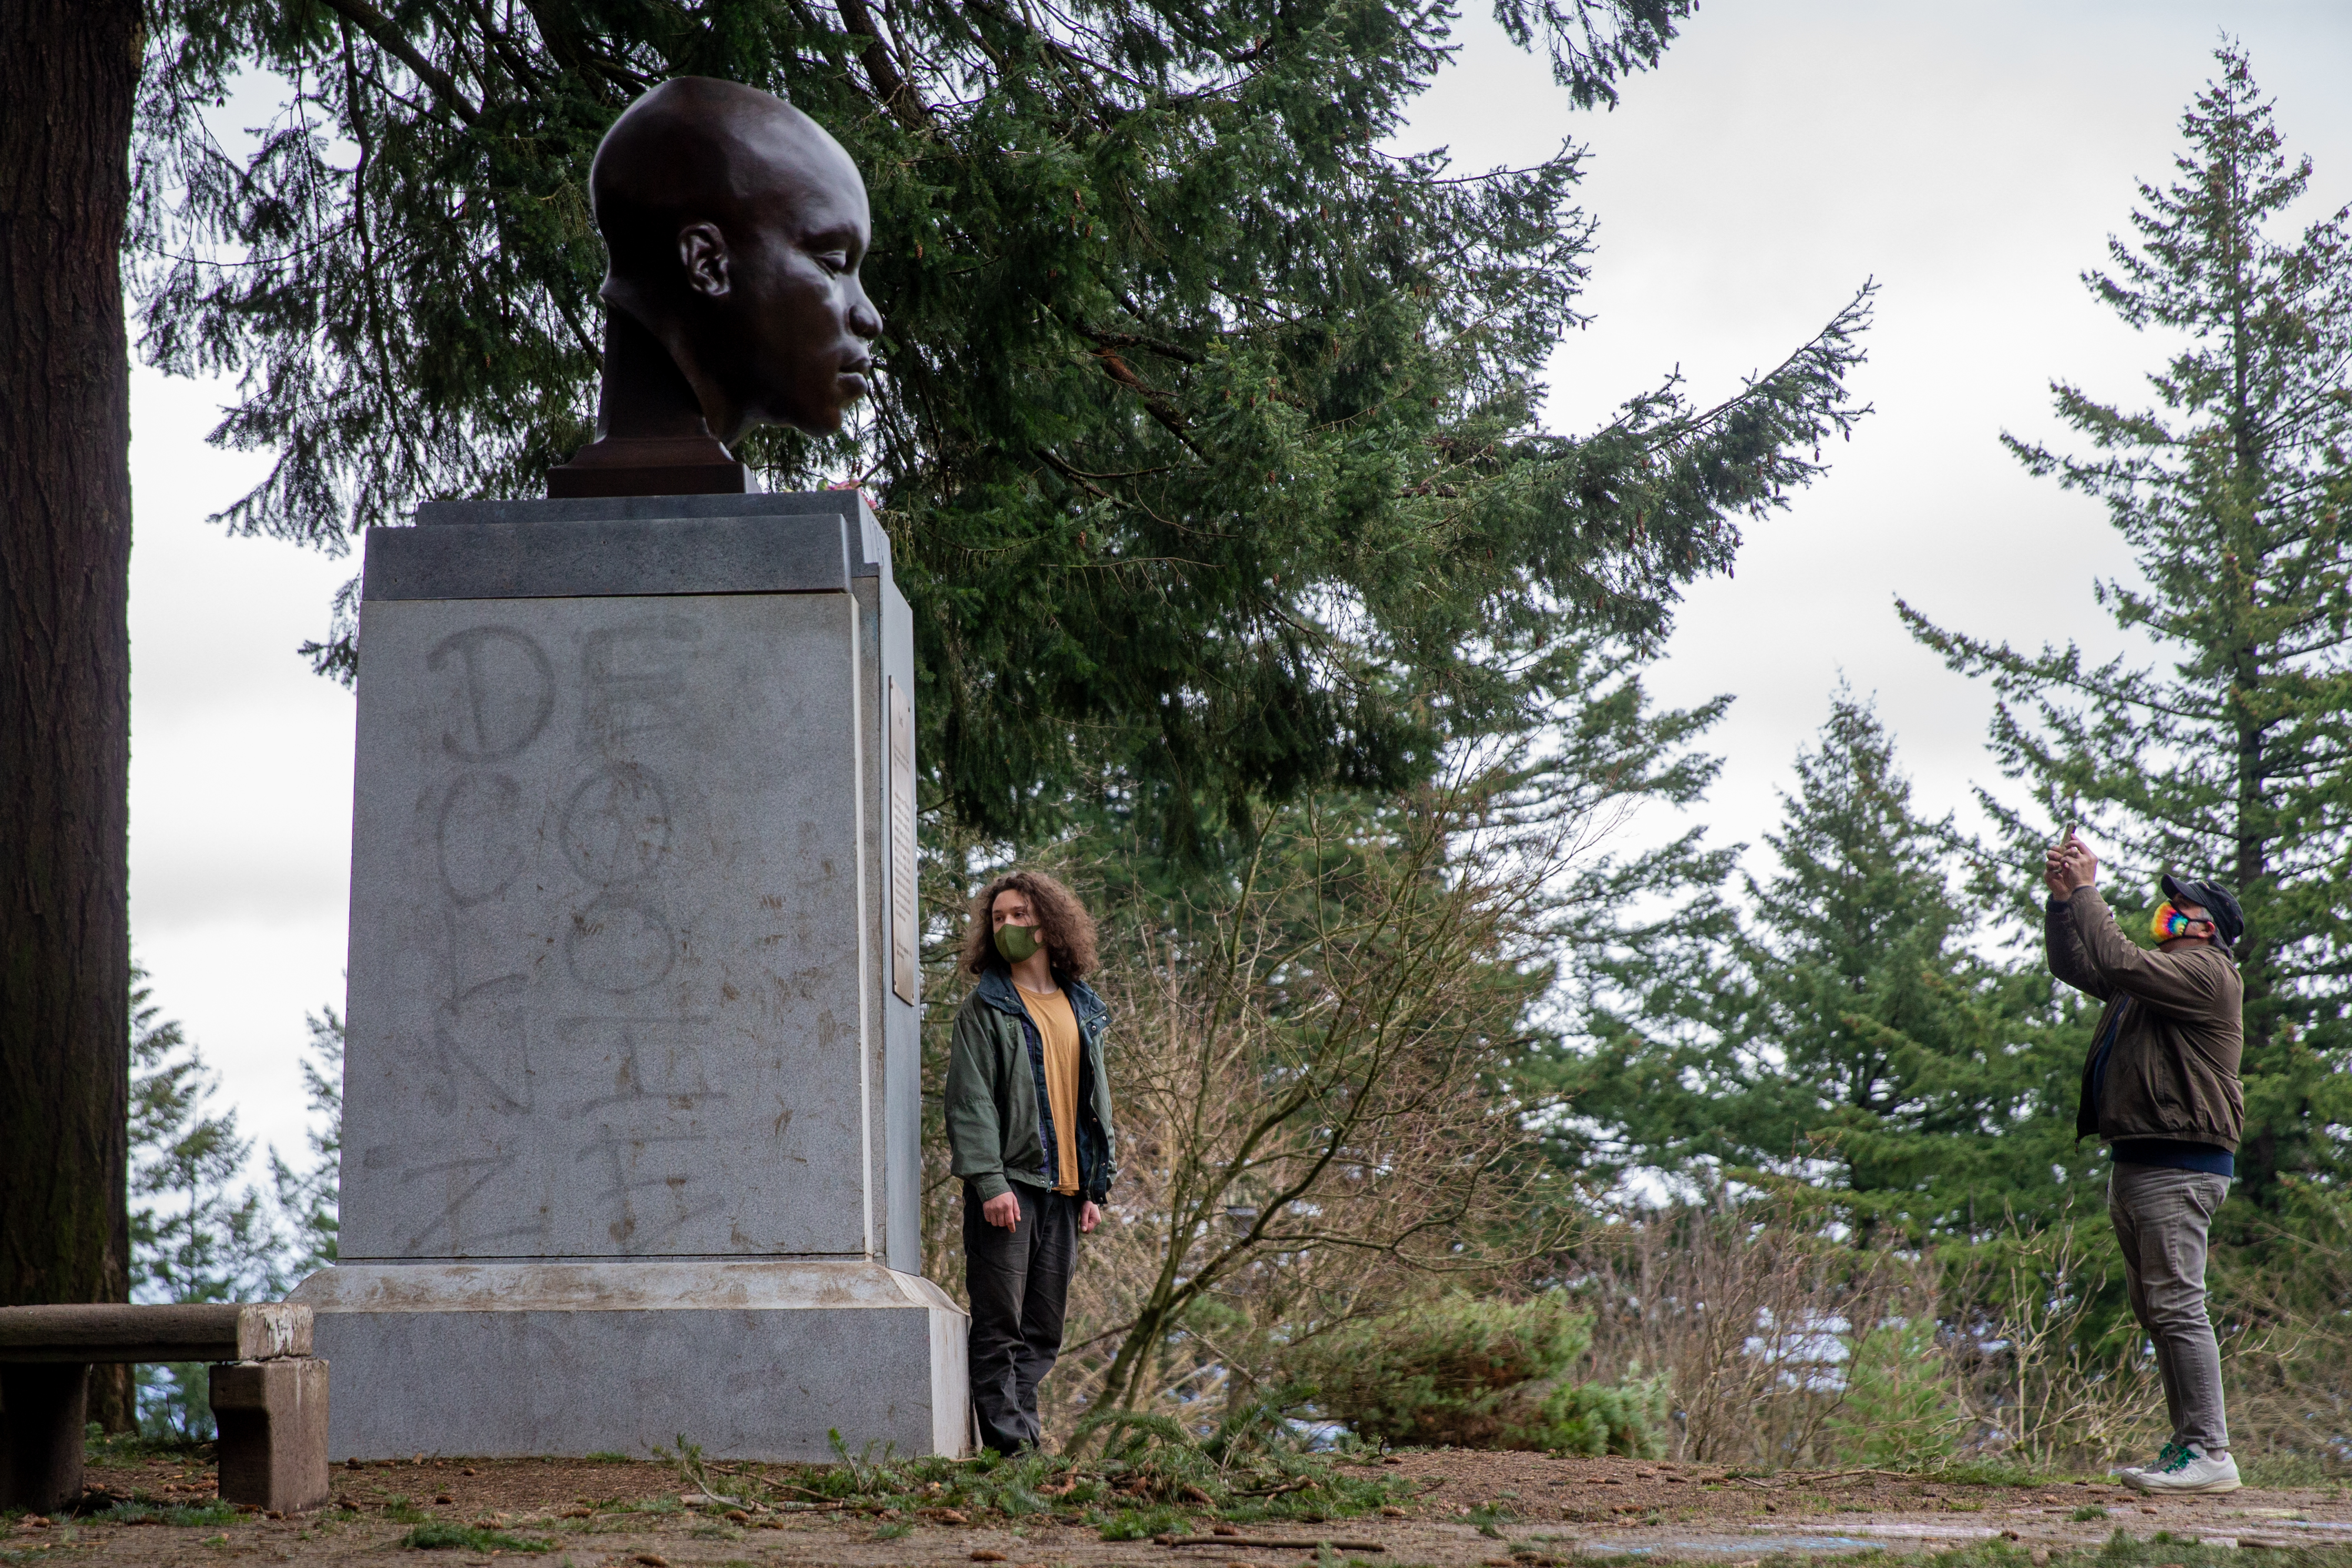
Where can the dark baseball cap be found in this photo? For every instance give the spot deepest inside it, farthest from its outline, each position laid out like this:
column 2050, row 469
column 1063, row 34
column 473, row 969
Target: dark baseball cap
column 2217, row 900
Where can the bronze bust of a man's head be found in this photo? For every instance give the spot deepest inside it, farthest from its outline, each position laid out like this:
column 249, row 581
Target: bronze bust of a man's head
column 735, row 228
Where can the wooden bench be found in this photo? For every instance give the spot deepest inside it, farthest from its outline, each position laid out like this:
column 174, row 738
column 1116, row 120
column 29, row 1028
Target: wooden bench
column 269, row 1395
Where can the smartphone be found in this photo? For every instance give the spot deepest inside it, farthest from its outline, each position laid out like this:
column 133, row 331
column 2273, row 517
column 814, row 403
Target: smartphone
column 2068, row 835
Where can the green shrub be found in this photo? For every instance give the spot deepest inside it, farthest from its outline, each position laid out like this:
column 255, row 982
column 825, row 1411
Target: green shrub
column 1479, row 1375
column 1900, row 1411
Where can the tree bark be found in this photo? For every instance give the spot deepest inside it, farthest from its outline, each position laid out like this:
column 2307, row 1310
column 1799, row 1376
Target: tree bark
column 69, row 72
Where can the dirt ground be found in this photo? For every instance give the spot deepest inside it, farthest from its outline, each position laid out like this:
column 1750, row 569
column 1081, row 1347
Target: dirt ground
column 1510, row 1509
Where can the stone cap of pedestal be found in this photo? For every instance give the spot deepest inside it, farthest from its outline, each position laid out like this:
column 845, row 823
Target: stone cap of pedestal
column 626, row 546
column 620, row 1285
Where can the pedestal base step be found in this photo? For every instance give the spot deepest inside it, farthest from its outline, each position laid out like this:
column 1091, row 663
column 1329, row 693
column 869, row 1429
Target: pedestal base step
column 754, row 1359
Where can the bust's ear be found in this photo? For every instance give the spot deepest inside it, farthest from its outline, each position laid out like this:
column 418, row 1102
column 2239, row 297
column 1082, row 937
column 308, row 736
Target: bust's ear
column 702, row 251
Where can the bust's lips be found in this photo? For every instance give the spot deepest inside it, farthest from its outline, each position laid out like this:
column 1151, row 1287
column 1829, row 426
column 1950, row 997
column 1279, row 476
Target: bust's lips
column 856, row 376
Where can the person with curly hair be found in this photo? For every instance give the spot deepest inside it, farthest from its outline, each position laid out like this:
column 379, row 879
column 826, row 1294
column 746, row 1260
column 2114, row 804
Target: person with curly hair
column 1029, row 1134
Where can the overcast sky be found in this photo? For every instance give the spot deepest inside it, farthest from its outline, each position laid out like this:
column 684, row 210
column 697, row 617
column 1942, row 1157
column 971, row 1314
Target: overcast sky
column 1972, row 158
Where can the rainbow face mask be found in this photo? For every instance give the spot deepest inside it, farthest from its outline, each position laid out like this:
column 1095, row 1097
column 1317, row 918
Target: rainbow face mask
column 2169, row 922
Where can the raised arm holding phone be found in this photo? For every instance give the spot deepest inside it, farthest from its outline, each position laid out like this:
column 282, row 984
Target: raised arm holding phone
column 2160, row 1089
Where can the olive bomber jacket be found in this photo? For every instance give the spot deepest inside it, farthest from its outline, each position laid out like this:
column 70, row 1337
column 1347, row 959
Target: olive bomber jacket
column 2172, row 1072
column 1000, row 1129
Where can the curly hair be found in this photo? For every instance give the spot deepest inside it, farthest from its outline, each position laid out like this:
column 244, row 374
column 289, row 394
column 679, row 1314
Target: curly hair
column 1061, row 921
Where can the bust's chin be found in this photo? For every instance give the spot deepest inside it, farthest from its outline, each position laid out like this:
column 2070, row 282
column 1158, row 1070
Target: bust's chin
column 825, row 421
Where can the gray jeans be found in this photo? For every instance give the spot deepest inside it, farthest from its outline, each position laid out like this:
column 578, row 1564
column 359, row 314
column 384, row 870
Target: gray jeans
column 2162, row 1217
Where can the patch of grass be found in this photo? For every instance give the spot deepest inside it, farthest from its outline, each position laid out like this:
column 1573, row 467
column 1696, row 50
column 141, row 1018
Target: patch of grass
column 894, row 1529
column 2087, row 1512
column 607, row 1457
column 1140, row 1523
column 400, row 1511
column 1991, row 1473
column 470, row 1538
column 166, row 1513
column 2286, row 1470
column 1489, row 1517
column 125, row 1448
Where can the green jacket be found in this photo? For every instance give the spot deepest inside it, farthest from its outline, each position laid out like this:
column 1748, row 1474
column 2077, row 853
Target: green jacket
column 2171, row 1069
column 1000, row 1124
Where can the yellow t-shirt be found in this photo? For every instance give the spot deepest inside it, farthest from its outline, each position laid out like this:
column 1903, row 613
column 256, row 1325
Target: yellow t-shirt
column 1057, row 1026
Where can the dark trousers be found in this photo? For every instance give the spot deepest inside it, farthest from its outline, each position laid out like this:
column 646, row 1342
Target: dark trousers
column 1019, row 1281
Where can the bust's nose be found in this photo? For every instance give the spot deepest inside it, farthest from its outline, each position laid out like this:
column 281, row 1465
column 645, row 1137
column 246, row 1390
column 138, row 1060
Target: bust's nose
column 865, row 320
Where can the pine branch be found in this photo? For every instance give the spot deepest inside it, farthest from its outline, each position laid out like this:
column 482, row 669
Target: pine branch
column 379, row 27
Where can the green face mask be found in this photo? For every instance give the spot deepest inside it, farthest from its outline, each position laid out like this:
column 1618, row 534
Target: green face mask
column 1016, row 942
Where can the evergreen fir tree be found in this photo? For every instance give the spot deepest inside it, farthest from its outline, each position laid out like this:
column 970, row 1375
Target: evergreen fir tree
column 2222, row 750
column 309, row 1199
column 1847, row 1033
column 1205, row 427
column 196, row 1234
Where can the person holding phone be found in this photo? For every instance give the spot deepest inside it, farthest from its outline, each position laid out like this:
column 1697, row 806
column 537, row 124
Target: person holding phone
column 1029, row 1133
column 2160, row 1088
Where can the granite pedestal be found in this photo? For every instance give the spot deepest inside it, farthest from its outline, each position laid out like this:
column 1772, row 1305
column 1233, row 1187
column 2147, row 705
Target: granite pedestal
column 631, row 1085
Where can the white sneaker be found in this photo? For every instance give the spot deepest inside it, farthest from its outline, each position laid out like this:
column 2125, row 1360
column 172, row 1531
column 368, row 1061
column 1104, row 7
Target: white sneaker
column 2170, row 1452
column 2191, row 1469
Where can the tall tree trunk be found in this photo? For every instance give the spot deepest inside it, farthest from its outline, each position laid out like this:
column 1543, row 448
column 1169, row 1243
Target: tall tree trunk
column 68, row 71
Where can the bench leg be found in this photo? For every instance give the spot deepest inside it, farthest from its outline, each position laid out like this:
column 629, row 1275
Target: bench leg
column 41, row 1405
column 273, row 1432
